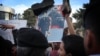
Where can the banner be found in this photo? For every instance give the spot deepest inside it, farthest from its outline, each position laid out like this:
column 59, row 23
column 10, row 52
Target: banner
column 51, row 23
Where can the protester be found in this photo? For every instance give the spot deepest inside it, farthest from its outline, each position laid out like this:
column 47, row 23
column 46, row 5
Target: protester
column 31, row 42
column 72, row 45
column 92, row 30
column 5, row 47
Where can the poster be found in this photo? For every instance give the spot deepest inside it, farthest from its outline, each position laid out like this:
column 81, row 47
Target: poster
column 51, row 23
column 7, row 34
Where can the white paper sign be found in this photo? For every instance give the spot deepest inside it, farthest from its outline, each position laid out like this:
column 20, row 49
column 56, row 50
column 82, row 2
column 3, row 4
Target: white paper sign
column 7, row 34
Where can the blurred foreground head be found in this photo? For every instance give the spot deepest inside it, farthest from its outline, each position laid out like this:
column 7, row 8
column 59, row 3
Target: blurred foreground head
column 5, row 47
column 92, row 29
column 31, row 42
column 66, row 8
column 38, row 8
column 72, row 45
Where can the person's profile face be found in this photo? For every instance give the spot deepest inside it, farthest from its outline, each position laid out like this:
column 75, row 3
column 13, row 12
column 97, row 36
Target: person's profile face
column 61, row 50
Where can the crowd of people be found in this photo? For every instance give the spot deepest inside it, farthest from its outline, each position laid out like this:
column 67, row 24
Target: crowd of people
column 31, row 42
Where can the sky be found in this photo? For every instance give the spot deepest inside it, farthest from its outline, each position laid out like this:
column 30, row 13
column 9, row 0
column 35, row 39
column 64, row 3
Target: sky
column 21, row 5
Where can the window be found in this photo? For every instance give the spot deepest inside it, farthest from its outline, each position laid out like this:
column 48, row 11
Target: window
column 2, row 15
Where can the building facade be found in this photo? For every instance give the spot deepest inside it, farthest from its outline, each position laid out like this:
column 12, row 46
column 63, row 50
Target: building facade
column 6, row 13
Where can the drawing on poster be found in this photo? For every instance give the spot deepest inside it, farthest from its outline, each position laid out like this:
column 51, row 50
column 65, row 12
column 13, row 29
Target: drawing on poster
column 51, row 24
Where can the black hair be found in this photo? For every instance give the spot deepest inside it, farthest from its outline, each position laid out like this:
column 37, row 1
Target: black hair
column 5, row 47
column 50, row 44
column 74, row 44
column 29, row 37
column 91, row 18
column 14, row 32
column 2, row 47
column 56, row 45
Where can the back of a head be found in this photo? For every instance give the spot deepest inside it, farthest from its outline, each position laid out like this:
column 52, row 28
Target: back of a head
column 31, row 41
column 74, row 44
column 29, row 37
column 91, row 18
column 5, row 47
column 2, row 46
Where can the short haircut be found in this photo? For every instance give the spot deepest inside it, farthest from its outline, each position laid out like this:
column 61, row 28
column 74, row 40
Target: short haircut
column 91, row 18
column 74, row 44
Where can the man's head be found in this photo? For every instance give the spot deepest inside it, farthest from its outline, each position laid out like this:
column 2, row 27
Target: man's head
column 31, row 41
column 92, row 29
column 5, row 47
column 72, row 45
